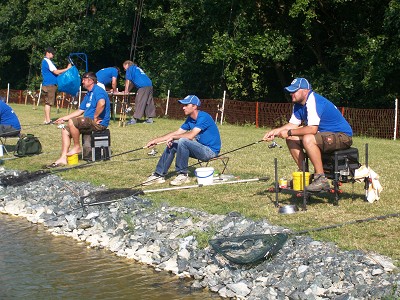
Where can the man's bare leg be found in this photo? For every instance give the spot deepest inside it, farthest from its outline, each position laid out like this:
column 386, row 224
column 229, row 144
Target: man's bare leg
column 75, row 135
column 313, row 152
column 65, row 143
column 47, row 109
column 296, row 150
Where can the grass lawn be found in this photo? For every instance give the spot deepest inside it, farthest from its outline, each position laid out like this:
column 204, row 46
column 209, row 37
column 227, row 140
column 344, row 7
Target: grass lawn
column 250, row 199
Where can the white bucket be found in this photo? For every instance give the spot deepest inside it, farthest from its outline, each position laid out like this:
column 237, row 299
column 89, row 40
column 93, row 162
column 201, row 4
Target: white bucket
column 205, row 176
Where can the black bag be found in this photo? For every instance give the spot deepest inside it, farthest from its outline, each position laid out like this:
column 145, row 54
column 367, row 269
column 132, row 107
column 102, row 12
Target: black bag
column 28, row 145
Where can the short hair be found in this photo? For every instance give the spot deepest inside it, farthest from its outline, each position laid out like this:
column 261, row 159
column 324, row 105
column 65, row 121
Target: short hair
column 90, row 75
column 128, row 62
column 49, row 50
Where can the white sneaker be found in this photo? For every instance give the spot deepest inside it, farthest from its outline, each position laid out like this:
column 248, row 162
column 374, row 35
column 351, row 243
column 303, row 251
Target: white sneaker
column 180, row 179
column 153, row 178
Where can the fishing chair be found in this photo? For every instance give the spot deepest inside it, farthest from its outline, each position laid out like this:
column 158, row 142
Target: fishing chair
column 223, row 159
column 96, row 145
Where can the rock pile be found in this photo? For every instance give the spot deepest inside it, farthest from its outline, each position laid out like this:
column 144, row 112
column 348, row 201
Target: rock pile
column 171, row 239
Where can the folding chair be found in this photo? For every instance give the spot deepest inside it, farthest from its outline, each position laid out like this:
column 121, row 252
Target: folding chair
column 224, row 159
column 3, row 141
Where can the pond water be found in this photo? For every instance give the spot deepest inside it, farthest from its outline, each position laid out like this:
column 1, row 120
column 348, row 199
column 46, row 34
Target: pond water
column 37, row 265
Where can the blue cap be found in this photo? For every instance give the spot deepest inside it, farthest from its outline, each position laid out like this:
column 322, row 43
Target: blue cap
column 297, row 84
column 190, row 99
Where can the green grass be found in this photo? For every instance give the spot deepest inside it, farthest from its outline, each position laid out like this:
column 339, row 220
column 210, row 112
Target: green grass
column 250, row 199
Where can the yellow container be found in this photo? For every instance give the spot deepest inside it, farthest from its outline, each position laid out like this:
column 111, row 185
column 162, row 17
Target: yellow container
column 298, row 180
column 73, row 159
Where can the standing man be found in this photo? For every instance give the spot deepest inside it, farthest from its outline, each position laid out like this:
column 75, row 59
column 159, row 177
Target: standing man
column 95, row 109
column 144, row 103
column 9, row 123
column 198, row 137
column 316, row 126
column 49, row 84
column 106, row 76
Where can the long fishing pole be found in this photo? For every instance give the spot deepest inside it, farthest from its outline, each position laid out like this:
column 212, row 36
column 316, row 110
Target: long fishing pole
column 25, row 176
column 133, row 191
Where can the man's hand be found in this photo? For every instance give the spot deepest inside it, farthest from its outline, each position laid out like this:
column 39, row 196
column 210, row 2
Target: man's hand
column 59, row 121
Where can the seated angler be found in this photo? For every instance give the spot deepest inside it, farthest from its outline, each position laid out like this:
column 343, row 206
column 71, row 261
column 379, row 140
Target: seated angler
column 316, row 126
column 198, row 137
column 93, row 115
column 9, row 123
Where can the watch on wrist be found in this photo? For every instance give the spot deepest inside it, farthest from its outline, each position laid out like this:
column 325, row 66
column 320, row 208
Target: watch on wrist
column 289, row 132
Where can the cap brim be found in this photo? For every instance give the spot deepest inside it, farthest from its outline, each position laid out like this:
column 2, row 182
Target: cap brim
column 292, row 89
column 183, row 101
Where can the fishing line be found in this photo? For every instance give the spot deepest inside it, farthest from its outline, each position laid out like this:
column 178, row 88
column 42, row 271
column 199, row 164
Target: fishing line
column 133, row 191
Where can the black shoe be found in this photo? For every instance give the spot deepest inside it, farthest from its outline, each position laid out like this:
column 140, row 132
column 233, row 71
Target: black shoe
column 319, row 183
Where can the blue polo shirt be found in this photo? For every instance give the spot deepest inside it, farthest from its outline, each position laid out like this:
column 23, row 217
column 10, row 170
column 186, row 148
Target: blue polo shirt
column 47, row 72
column 319, row 111
column 209, row 134
column 90, row 101
column 106, row 75
column 8, row 116
column 138, row 77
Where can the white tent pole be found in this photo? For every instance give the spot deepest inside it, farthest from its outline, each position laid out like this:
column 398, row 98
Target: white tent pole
column 166, row 108
column 40, row 94
column 80, row 96
column 8, row 92
column 223, row 107
column 395, row 118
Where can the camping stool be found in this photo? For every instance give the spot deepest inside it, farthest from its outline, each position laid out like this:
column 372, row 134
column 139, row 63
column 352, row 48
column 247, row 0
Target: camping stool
column 340, row 167
column 3, row 141
column 96, row 145
column 224, row 159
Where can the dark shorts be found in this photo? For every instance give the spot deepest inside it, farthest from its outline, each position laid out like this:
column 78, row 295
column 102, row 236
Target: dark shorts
column 49, row 94
column 86, row 125
column 330, row 141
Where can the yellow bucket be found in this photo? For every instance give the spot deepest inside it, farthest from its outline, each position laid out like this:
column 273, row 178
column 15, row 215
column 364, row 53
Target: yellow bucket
column 73, row 159
column 298, row 180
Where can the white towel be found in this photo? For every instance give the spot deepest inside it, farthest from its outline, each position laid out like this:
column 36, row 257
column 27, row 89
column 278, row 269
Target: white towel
column 375, row 188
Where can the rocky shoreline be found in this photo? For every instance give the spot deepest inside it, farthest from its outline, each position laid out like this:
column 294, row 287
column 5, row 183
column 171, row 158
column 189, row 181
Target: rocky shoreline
column 170, row 239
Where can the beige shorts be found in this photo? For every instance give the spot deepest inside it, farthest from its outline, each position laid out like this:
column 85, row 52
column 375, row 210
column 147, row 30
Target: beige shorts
column 330, row 141
column 49, row 94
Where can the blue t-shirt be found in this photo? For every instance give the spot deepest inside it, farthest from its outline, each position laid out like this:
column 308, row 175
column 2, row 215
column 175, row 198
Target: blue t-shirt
column 47, row 72
column 8, row 116
column 320, row 112
column 90, row 101
column 209, row 134
column 138, row 77
column 106, row 75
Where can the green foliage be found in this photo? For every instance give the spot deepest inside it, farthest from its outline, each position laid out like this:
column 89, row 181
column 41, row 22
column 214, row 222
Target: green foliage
column 347, row 49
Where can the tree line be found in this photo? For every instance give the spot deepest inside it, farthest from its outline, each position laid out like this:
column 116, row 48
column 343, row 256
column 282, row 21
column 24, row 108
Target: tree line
column 348, row 49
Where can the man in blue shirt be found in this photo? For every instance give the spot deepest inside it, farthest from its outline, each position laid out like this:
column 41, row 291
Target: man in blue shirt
column 49, row 84
column 144, row 103
column 106, row 76
column 9, row 123
column 92, row 115
column 316, row 126
column 198, row 137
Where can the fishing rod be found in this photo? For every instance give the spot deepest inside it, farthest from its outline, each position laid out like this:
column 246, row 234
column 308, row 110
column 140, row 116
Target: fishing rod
column 25, row 176
column 133, row 191
column 123, row 193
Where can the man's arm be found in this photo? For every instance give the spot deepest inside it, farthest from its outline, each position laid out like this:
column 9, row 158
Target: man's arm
column 60, row 71
column 99, row 109
column 167, row 137
column 114, row 84
column 74, row 114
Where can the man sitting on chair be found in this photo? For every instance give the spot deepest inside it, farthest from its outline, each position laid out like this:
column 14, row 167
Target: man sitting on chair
column 198, row 137
column 9, row 123
column 95, row 109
